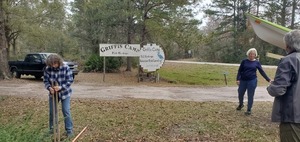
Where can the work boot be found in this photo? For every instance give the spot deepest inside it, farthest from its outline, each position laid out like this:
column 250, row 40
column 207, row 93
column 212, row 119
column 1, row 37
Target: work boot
column 51, row 131
column 70, row 134
column 248, row 112
column 239, row 107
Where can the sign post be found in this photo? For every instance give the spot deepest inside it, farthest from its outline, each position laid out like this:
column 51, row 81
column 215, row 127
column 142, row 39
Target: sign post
column 104, row 69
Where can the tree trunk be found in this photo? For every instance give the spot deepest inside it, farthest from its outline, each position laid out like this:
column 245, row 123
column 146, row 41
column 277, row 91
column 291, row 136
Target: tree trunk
column 257, row 7
column 283, row 13
column 4, row 71
column 145, row 17
column 294, row 7
column 130, row 20
column 129, row 64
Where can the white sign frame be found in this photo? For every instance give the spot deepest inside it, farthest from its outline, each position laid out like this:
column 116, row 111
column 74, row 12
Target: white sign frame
column 152, row 57
column 119, row 50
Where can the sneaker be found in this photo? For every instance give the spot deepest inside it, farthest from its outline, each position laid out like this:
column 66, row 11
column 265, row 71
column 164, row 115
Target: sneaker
column 239, row 107
column 51, row 132
column 70, row 134
column 248, row 112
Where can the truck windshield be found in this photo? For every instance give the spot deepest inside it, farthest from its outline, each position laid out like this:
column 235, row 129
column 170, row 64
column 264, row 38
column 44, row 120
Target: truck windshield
column 45, row 55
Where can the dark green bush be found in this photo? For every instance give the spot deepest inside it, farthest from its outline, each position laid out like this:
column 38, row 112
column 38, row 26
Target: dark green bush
column 113, row 64
column 95, row 64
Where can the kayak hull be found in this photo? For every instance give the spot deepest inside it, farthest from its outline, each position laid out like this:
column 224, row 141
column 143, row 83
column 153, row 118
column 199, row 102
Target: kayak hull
column 268, row 31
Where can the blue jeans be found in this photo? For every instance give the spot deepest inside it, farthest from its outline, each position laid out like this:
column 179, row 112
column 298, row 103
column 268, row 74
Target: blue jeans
column 65, row 104
column 250, row 86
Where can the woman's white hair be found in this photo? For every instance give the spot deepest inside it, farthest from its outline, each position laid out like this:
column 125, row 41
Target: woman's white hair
column 253, row 50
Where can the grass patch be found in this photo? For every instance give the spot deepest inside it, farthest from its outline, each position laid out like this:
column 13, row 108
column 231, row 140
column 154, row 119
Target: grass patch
column 26, row 119
column 205, row 75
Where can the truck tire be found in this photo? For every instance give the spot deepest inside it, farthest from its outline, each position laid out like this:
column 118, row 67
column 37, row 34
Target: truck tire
column 15, row 73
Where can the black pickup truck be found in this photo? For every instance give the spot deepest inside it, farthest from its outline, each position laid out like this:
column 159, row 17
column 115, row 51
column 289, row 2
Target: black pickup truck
column 34, row 64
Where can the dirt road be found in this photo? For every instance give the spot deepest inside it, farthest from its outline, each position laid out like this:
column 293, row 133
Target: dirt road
column 87, row 89
column 166, row 93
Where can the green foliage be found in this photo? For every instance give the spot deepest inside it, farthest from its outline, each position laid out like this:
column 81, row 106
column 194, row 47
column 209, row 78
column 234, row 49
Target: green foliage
column 227, row 44
column 23, row 125
column 161, row 22
column 230, row 37
column 45, row 26
column 113, row 64
column 23, row 133
column 134, row 61
column 95, row 63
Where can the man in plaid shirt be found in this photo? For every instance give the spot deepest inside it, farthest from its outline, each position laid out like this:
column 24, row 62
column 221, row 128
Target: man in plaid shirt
column 57, row 71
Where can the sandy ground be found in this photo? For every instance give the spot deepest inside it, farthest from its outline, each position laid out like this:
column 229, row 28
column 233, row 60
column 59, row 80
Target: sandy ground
column 124, row 86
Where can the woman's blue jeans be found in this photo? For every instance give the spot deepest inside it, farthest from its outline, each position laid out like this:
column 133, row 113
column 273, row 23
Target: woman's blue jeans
column 250, row 86
column 65, row 104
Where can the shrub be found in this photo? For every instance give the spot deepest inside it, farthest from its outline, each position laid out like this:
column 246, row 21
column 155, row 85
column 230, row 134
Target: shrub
column 95, row 64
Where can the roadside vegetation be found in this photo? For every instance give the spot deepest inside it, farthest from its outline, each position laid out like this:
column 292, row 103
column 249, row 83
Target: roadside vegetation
column 25, row 119
column 206, row 75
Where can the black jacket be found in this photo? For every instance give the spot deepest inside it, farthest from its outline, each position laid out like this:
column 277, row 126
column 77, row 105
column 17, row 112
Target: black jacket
column 286, row 90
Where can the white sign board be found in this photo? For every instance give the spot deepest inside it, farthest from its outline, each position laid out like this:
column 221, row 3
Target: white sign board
column 152, row 57
column 117, row 50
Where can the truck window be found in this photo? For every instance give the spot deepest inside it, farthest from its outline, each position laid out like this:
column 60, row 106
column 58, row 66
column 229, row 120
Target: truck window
column 32, row 58
column 27, row 58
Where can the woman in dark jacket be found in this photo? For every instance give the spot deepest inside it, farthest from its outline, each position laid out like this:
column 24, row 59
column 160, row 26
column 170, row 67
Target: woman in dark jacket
column 247, row 79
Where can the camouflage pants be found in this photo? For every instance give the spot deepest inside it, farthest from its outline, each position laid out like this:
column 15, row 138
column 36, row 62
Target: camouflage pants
column 289, row 132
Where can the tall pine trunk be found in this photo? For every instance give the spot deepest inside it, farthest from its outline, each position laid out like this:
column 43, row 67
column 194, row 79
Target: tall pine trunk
column 129, row 28
column 294, row 7
column 4, row 71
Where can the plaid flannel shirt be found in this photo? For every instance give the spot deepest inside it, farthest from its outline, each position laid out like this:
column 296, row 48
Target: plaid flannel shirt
column 63, row 76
